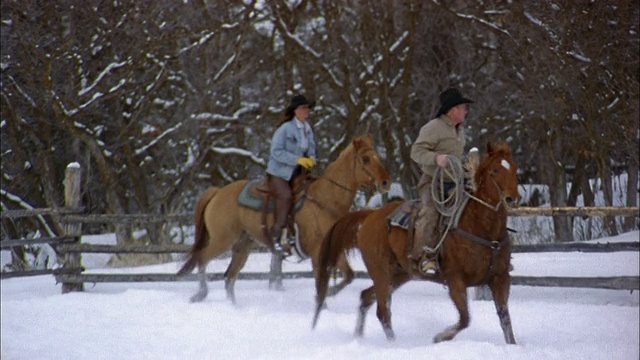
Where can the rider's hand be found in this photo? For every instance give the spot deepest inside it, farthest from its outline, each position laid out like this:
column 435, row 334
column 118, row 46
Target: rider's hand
column 306, row 162
column 442, row 160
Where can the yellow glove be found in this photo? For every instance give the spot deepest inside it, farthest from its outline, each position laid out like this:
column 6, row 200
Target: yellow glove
column 306, row 162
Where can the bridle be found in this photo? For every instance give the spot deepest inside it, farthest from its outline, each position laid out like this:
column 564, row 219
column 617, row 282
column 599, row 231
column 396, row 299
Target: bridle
column 461, row 199
column 501, row 200
column 357, row 164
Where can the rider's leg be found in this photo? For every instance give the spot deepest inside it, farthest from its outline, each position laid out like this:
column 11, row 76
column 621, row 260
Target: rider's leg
column 281, row 192
column 425, row 236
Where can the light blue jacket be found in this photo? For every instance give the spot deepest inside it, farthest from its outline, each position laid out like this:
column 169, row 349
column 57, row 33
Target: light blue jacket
column 286, row 149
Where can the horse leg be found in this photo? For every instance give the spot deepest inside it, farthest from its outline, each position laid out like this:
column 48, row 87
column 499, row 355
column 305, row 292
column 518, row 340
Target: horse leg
column 384, row 312
column 458, row 293
column 383, row 294
column 347, row 273
column 367, row 297
column 500, row 290
column 275, row 273
column 239, row 256
column 202, row 279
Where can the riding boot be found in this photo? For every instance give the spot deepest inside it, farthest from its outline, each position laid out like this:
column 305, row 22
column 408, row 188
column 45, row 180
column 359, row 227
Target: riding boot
column 281, row 192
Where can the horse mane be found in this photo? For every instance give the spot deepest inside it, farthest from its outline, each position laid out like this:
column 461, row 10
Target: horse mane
column 471, row 167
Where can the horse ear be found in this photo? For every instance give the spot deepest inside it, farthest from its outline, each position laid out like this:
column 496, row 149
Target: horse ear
column 490, row 147
column 494, row 147
column 506, row 148
column 362, row 141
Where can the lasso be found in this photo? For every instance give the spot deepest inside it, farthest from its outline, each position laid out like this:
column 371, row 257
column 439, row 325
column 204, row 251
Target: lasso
column 448, row 204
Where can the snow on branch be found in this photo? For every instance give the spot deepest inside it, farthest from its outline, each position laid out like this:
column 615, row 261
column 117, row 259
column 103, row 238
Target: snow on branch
column 157, row 139
column 476, row 19
column 210, row 116
column 395, row 45
column 24, row 205
column 578, row 57
column 22, row 92
column 96, row 96
column 206, row 36
column 540, row 23
column 240, row 152
column 484, row 22
column 101, row 76
column 296, row 39
column 203, row 39
column 329, row 70
column 224, row 67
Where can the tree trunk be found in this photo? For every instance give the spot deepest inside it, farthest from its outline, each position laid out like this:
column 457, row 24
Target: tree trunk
column 555, row 176
column 630, row 223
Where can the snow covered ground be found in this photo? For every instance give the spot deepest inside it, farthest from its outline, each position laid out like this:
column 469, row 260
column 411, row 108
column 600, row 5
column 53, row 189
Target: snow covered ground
column 156, row 320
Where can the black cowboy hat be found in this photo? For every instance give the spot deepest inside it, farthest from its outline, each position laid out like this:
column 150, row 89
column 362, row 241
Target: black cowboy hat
column 450, row 98
column 297, row 101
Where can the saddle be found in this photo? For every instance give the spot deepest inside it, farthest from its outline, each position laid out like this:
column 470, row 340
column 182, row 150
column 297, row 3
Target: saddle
column 404, row 215
column 256, row 195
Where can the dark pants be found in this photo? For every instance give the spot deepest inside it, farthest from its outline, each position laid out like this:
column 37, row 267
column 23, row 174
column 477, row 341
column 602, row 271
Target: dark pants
column 281, row 192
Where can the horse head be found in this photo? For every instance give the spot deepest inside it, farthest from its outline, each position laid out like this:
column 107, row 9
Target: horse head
column 370, row 171
column 497, row 174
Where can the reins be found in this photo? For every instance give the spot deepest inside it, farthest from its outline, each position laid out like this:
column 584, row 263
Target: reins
column 457, row 201
column 357, row 161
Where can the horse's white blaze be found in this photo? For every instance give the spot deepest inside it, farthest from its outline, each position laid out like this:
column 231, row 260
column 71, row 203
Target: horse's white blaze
column 505, row 164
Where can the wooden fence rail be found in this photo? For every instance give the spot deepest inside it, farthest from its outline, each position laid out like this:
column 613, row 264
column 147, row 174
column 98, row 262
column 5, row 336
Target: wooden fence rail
column 613, row 283
column 181, row 248
column 73, row 277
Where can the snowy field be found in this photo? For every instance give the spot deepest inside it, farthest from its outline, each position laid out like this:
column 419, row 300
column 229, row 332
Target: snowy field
column 156, row 320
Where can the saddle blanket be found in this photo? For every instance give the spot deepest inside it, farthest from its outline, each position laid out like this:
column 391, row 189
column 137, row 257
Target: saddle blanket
column 401, row 216
column 247, row 199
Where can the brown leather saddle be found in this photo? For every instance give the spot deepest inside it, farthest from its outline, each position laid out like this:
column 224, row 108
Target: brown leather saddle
column 256, row 195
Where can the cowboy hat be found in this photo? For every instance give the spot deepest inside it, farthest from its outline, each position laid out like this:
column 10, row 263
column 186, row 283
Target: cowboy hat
column 450, row 98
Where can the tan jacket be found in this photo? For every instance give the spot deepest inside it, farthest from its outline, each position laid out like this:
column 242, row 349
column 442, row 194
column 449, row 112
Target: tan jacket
column 438, row 136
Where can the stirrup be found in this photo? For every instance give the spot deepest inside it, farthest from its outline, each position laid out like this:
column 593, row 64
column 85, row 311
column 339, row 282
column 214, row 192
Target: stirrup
column 281, row 249
column 281, row 246
column 428, row 266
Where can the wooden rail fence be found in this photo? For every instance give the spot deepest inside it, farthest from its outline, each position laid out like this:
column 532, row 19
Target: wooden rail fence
column 72, row 275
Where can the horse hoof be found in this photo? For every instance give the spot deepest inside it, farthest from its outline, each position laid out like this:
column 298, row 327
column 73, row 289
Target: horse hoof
column 276, row 287
column 390, row 335
column 441, row 337
column 198, row 297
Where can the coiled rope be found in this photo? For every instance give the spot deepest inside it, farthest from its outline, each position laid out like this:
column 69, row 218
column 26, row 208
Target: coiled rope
column 448, row 204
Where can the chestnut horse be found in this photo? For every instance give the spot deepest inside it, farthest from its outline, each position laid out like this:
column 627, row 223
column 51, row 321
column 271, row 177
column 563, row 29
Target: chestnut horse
column 474, row 253
column 222, row 224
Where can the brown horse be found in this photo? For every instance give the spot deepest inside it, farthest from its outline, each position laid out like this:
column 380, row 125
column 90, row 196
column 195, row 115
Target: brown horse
column 476, row 252
column 222, row 224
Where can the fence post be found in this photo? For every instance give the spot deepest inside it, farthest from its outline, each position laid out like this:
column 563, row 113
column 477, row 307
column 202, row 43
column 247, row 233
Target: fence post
column 72, row 187
column 275, row 273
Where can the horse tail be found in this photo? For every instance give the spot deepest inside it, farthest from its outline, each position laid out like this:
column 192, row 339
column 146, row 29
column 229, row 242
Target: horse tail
column 202, row 237
column 341, row 238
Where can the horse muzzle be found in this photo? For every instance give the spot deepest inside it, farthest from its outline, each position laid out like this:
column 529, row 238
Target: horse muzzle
column 511, row 201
